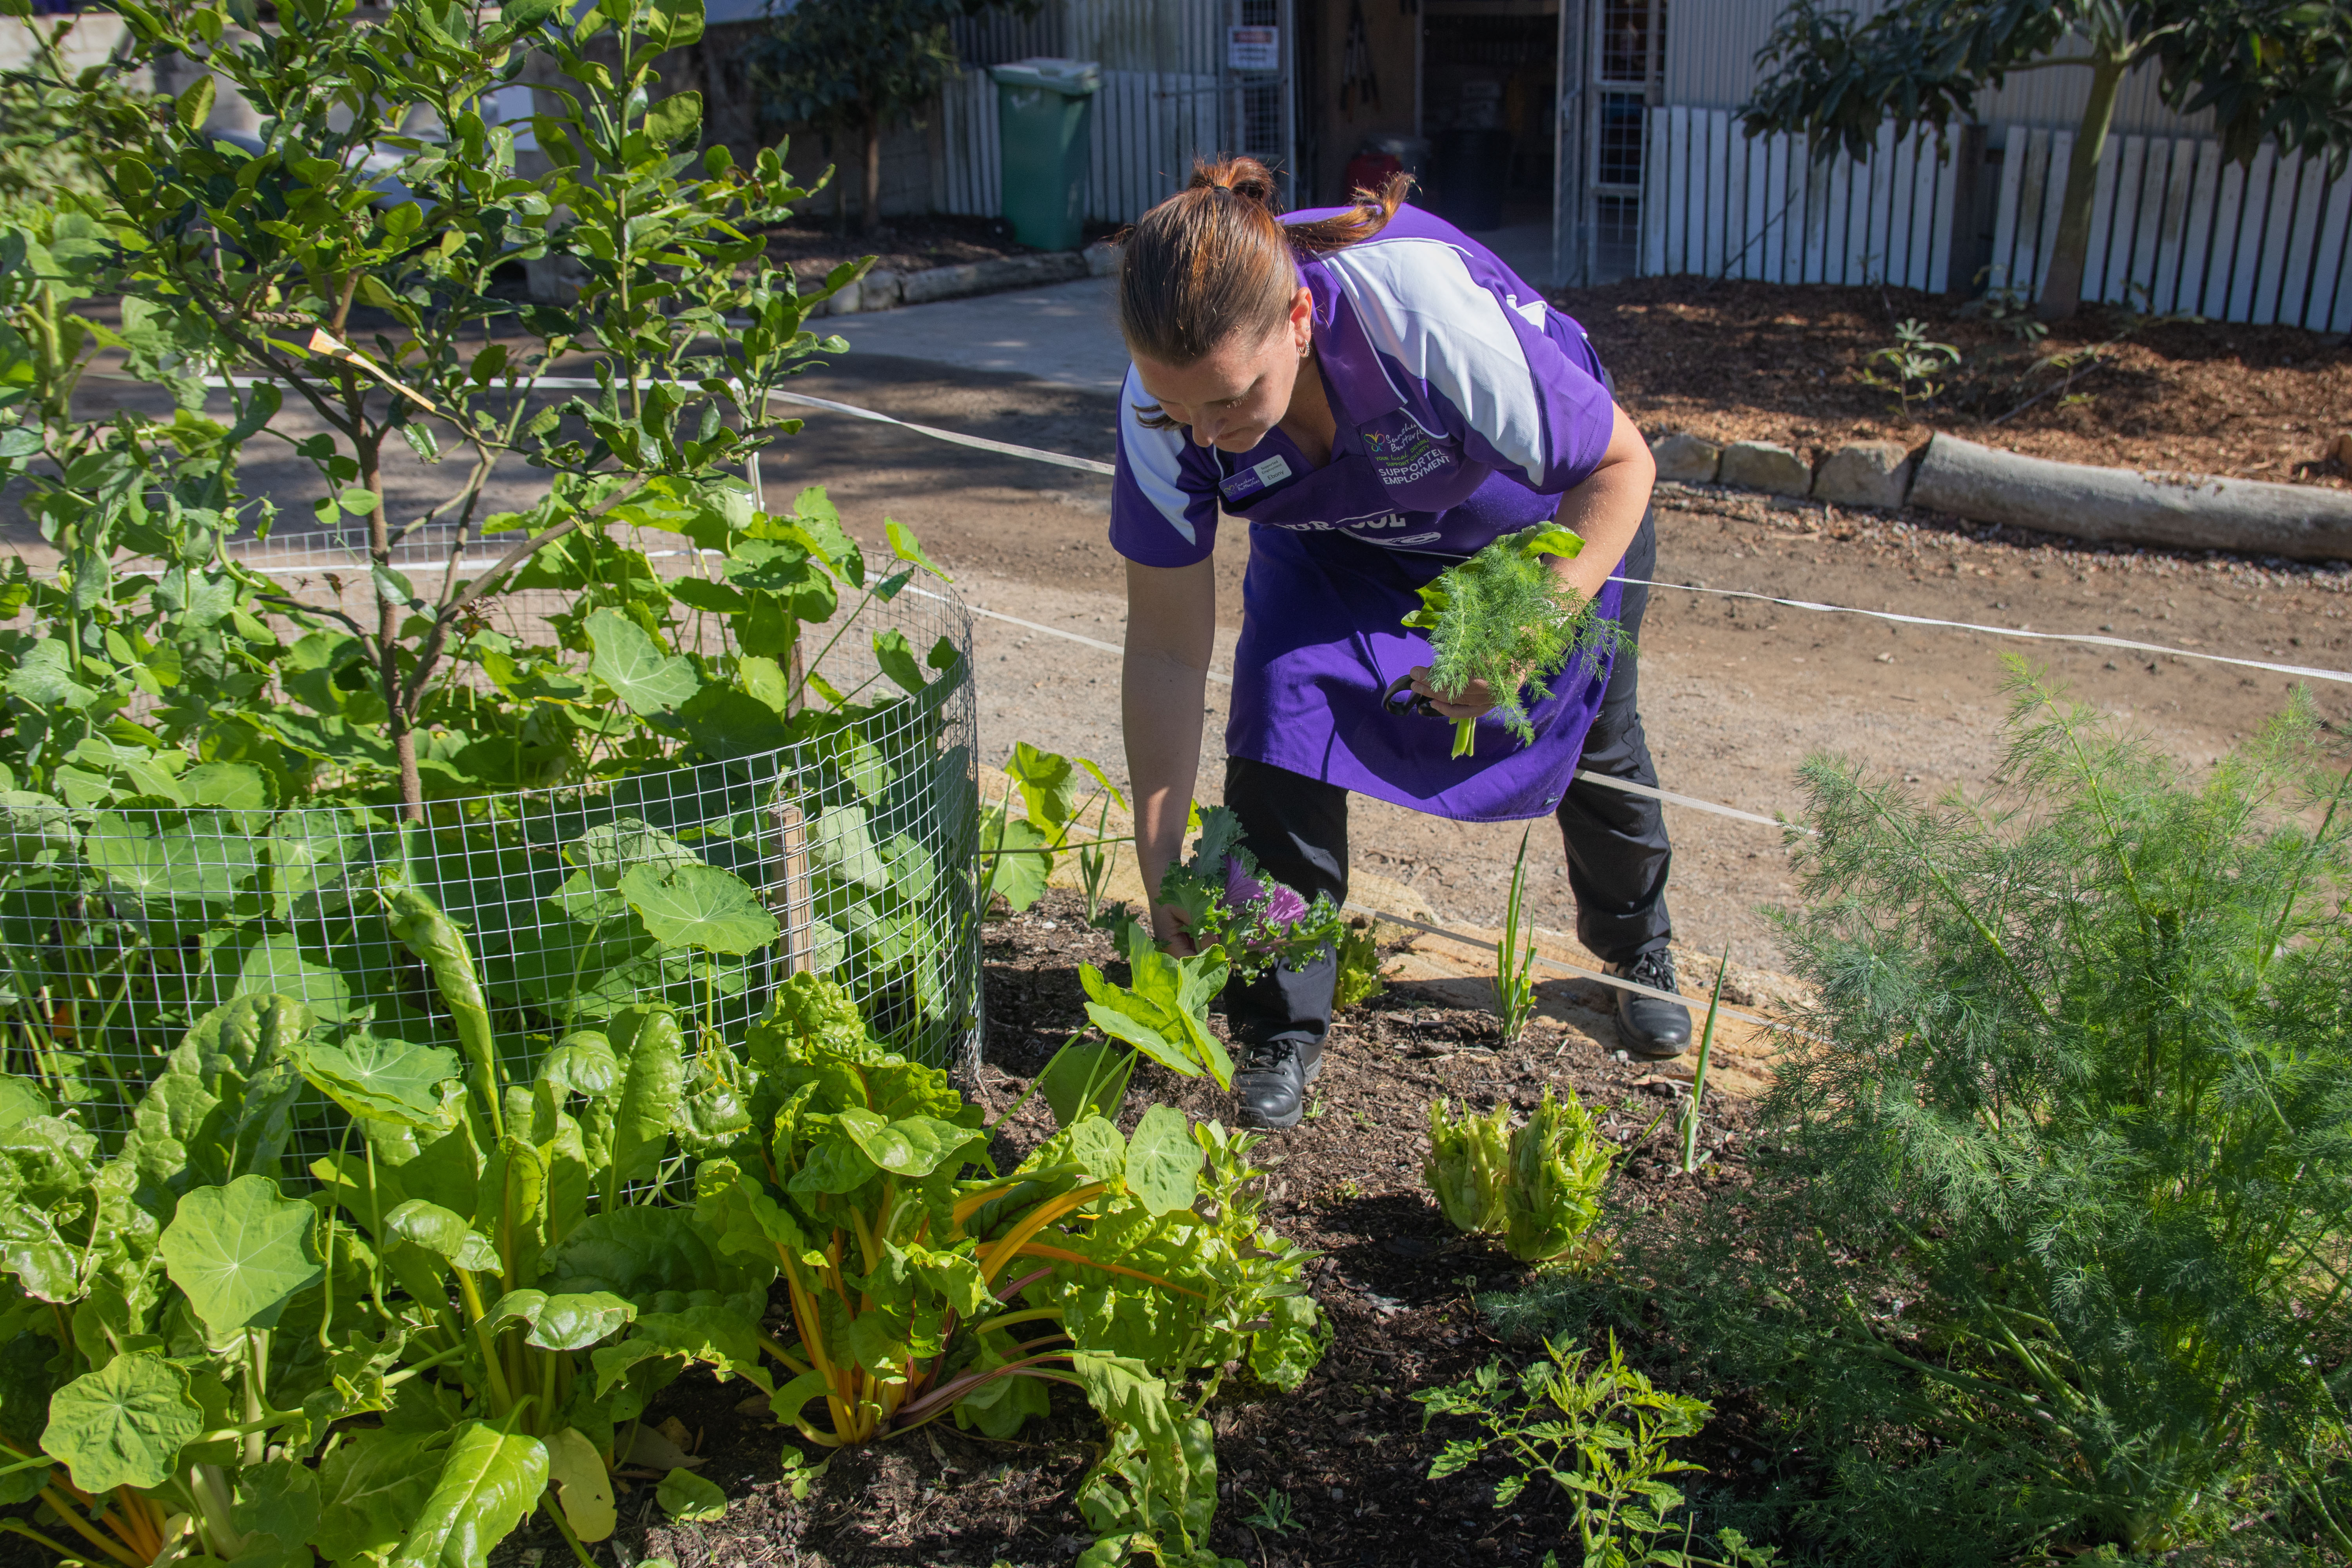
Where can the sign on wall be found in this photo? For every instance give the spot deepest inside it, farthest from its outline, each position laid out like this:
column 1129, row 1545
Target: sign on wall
column 1254, row 49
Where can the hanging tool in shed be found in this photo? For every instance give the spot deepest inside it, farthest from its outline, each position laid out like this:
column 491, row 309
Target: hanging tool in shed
column 1356, row 74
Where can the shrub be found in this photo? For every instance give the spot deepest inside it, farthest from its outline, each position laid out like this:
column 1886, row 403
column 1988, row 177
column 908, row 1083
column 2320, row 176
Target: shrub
column 2053, row 1253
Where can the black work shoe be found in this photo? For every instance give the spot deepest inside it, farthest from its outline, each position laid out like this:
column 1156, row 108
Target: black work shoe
column 1270, row 1086
column 1652, row 1026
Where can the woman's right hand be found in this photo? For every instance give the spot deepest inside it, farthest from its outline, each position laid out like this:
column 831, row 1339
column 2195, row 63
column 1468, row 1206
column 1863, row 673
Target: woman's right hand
column 1168, row 928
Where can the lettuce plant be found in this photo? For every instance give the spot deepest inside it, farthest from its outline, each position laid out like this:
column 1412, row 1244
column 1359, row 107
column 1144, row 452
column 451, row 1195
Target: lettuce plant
column 1537, row 1187
column 1506, row 617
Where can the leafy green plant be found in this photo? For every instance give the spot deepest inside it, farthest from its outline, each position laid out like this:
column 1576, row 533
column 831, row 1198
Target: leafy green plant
column 1358, row 953
column 1228, row 902
column 1537, row 1187
column 1910, row 368
column 1271, row 1514
column 1506, row 618
column 1600, row 1432
column 1515, row 956
column 1018, row 852
column 2048, row 1261
column 1689, row 1114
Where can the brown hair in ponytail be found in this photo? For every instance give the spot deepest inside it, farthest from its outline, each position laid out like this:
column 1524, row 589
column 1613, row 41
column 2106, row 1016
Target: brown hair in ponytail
column 1212, row 261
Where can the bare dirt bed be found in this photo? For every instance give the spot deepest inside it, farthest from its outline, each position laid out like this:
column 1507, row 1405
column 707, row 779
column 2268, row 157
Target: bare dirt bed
column 1769, row 362
column 1347, row 1450
column 813, row 246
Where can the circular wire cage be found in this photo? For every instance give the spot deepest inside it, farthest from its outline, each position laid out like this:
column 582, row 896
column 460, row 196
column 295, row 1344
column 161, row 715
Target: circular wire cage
column 851, row 849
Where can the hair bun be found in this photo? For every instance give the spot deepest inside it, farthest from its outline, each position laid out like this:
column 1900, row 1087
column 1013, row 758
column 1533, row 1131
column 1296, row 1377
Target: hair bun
column 1244, row 177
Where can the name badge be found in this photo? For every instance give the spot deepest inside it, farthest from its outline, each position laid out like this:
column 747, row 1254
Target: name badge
column 1251, row 481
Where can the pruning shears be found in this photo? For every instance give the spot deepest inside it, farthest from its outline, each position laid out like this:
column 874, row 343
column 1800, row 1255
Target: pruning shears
column 1402, row 700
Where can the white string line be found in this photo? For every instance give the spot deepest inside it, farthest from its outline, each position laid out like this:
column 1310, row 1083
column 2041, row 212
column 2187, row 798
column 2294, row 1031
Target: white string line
column 1088, row 465
column 1618, row 981
column 2306, row 672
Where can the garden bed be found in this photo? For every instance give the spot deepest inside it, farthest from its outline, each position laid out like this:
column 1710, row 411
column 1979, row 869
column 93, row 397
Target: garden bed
column 913, row 242
column 1347, row 1450
column 1780, row 362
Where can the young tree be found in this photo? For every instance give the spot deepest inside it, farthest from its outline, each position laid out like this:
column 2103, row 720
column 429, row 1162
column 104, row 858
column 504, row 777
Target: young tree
column 2269, row 69
column 857, row 65
column 345, row 264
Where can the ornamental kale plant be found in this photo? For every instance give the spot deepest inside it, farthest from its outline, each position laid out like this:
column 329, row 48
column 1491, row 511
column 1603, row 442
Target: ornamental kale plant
column 1506, row 618
column 2054, row 1257
column 1228, row 902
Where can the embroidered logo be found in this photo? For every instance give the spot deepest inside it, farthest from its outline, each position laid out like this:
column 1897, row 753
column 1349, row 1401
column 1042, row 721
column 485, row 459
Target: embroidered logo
column 1404, row 455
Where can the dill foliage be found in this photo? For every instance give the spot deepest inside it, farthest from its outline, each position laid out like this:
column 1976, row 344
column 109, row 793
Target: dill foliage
column 1506, row 617
column 2053, row 1253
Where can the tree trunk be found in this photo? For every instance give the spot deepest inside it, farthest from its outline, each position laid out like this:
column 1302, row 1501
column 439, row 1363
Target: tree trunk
column 871, row 218
column 2062, row 290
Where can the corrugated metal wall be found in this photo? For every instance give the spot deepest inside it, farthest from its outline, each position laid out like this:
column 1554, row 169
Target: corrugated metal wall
column 1711, row 64
column 1157, row 111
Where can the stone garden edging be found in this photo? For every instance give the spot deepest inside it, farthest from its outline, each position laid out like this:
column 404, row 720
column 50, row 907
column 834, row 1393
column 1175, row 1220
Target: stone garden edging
column 884, row 289
column 1984, row 484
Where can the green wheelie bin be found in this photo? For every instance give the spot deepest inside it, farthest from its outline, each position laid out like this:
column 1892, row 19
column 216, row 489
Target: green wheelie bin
column 1044, row 107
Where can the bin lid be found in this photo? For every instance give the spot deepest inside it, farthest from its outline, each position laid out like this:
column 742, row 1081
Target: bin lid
column 1075, row 78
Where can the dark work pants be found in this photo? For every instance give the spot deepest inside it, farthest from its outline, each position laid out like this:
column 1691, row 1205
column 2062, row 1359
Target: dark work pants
column 1617, row 851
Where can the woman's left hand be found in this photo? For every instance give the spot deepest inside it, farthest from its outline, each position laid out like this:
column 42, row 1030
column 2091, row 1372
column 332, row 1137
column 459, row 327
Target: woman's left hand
column 1474, row 701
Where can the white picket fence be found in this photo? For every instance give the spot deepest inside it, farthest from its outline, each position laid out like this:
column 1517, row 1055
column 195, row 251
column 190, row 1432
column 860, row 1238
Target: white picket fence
column 1147, row 129
column 2174, row 228
column 1717, row 203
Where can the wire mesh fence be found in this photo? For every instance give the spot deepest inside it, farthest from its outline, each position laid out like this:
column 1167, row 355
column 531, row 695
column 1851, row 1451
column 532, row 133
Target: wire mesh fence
column 847, row 853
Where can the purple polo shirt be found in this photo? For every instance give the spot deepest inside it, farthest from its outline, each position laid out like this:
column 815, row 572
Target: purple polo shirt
column 1465, row 406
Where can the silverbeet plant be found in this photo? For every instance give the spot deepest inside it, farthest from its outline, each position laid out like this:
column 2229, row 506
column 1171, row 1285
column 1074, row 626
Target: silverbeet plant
column 1506, row 617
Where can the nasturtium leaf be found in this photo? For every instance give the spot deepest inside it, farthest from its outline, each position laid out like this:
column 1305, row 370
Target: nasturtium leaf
column 908, row 547
column 382, row 1079
column 911, row 1146
column 123, row 1424
column 699, row 906
column 1097, row 1149
column 841, row 848
column 371, row 1486
column 441, row 1231
column 689, row 1498
column 627, row 659
column 582, row 1487
column 233, row 786
column 1018, row 862
column 1163, row 1164
column 488, row 1482
column 277, row 966
column 897, row 660
column 239, row 1253
column 1048, row 782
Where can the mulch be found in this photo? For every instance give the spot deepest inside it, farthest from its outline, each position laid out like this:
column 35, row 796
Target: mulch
column 914, row 243
column 1735, row 361
column 1347, row 1450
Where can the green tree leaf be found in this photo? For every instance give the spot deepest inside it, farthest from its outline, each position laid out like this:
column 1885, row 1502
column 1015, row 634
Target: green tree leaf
column 123, row 1424
column 239, row 1253
column 896, row 659
column 908, row 547
column 699, row 906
